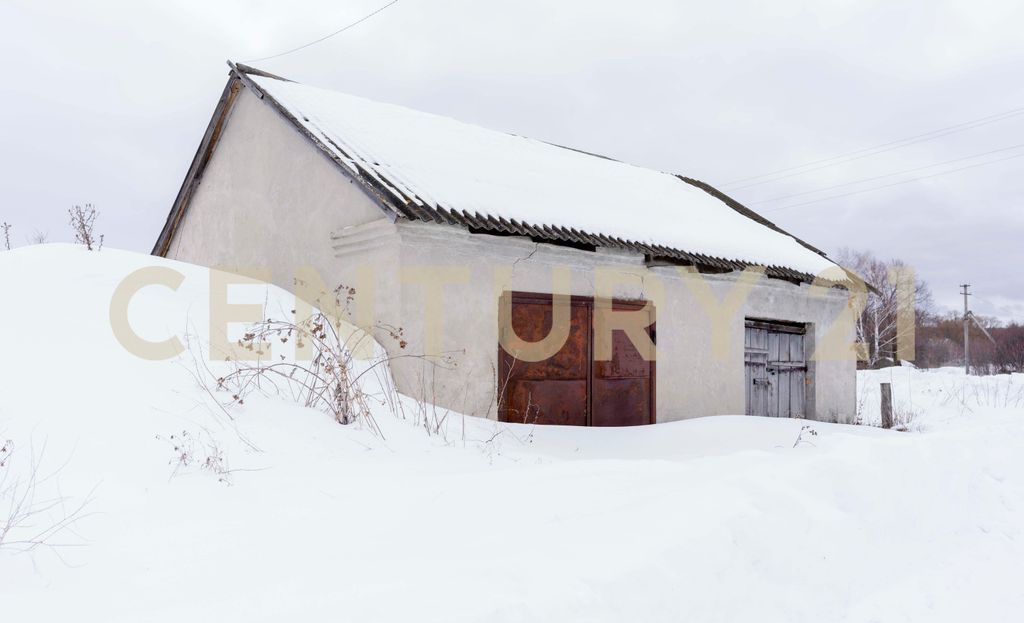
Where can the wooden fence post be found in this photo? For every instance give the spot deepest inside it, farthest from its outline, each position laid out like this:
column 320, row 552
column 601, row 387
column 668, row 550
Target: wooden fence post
column 886, row 405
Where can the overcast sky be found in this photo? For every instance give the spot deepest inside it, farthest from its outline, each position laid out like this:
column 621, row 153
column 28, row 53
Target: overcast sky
column 106, row 101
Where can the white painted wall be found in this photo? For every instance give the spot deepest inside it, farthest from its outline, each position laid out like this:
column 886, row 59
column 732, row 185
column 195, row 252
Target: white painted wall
column 269, row 197
column 691, row 381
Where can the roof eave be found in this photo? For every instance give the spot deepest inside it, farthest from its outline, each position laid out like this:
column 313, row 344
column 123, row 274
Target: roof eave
column 238, row 78
column 395, row 206
column 392, row 206
column 214, row 130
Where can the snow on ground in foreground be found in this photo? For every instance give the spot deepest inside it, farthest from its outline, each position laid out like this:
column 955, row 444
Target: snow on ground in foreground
column 714, row 519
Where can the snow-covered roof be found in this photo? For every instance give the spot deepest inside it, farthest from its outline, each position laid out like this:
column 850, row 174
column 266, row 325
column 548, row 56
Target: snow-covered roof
column 429, row 167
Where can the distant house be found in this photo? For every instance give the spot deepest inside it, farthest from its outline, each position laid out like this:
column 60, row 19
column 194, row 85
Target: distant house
column 289, row 175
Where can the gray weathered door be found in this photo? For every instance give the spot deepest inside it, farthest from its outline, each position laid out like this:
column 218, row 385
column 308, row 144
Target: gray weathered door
column 775, row 369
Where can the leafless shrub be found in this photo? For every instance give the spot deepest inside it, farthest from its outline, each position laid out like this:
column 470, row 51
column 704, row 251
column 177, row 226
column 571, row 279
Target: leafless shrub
column 328, row 381
column 322, row 383
column 991, row 392
column 861, row 406
column 957, row 394
column 531, row 411
column 809, row 432
column 7, row 234
column 38, row 237
column 83, row 221
column 328, row 377
column 984, row 392
column 28, row 519
column 426, row 413
column 202, row 451
column 903, row 418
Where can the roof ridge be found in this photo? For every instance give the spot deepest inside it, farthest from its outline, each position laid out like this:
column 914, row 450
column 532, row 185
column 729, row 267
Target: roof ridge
column 745, row 211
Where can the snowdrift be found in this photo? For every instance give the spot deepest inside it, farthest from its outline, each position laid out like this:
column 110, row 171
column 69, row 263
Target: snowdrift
column 283, row 514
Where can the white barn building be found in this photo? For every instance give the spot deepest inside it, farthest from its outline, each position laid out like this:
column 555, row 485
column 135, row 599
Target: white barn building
column 440, row 223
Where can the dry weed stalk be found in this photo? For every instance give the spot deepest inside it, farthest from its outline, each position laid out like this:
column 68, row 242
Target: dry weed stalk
column 27, row 519
column 330, row 380
column 82, row 221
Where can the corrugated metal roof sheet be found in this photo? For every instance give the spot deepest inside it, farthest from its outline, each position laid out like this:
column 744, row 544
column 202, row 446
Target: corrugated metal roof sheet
column 431, row 168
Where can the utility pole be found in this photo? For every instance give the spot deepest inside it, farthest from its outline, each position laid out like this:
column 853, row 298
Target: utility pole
column 967, row 336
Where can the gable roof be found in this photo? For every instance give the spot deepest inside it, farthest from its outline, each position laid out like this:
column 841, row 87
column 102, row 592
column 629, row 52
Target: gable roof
column 421, row 166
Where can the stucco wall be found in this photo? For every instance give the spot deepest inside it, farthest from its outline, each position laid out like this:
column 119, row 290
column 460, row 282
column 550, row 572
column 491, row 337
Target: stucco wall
column 269, row 198
column 691, row 381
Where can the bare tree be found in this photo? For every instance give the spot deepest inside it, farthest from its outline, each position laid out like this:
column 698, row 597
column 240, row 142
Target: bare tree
column 83, row 220
column 39, row 237
column 7, row 234
column 1011, row 349
column 877, row 324
column 941, row 343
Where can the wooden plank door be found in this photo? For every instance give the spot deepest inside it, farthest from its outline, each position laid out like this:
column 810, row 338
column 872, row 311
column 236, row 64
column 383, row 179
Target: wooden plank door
column 755, row 363
column 775, row 369
column 788, row 368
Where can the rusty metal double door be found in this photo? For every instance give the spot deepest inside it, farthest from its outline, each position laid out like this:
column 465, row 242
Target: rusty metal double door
column 569, row 387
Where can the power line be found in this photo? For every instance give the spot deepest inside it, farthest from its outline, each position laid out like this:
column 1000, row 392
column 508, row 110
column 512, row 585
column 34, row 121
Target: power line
column 324, row 38
column 879, row 177
column 871, row 151
column 913, row 179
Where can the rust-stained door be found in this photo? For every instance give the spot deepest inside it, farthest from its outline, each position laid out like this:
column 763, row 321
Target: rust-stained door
column 569, row 388
column 556, row 390
column 623, row 389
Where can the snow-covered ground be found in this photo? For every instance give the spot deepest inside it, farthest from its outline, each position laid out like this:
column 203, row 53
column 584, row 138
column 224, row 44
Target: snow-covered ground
column 714, row 519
